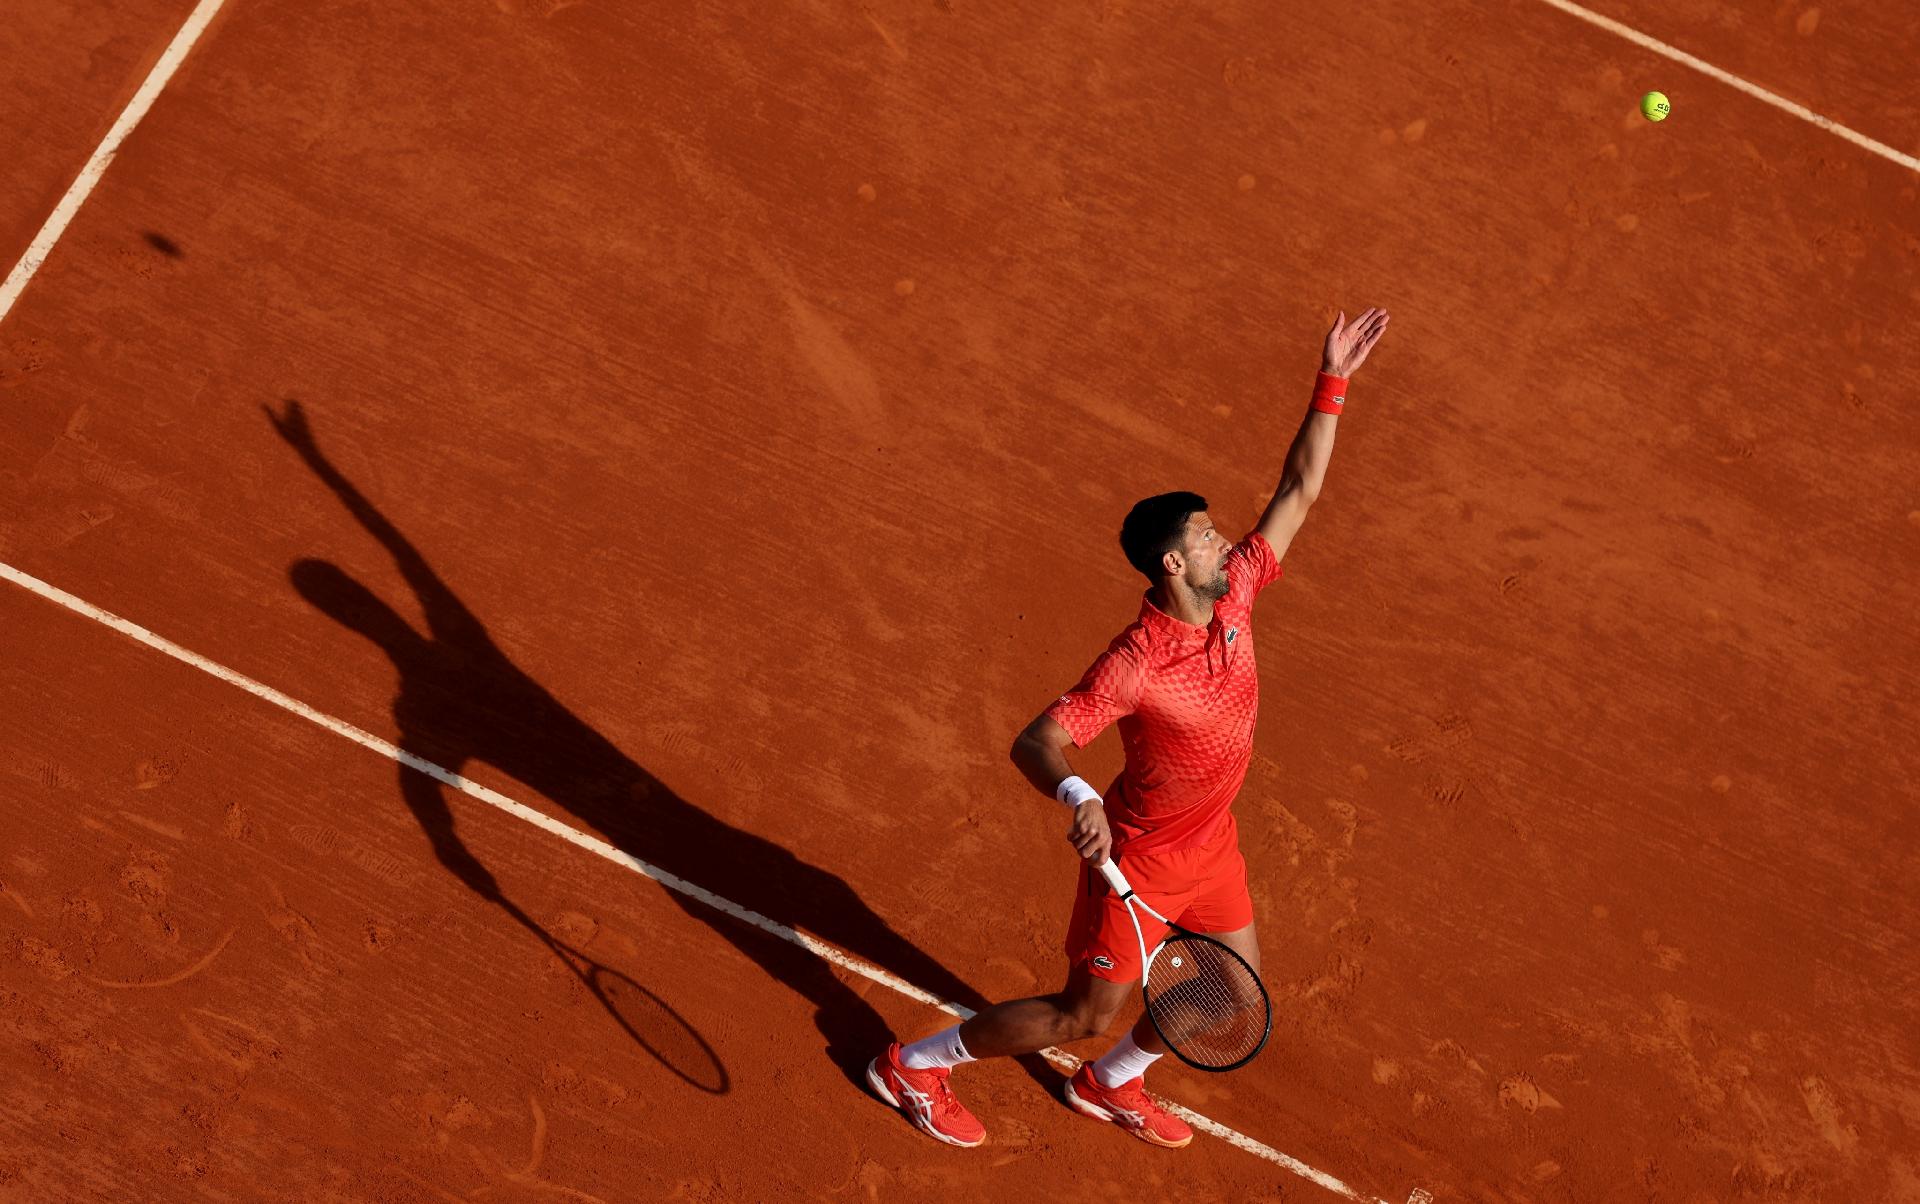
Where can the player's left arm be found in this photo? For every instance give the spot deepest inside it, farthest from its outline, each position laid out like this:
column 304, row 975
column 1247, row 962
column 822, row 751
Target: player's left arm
column 1306, row 468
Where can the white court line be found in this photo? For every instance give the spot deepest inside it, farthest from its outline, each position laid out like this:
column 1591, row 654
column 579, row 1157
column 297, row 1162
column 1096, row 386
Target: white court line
column 1733, row 81
column 16, row 282
column 56, row 225
column 196, row 24
column 601, row 848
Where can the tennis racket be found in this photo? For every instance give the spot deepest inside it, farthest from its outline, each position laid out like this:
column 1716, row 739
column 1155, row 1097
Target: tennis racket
column 1204, row 1000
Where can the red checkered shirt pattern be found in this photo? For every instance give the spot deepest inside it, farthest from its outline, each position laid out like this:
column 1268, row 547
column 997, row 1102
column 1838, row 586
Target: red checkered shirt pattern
column 1186, row 699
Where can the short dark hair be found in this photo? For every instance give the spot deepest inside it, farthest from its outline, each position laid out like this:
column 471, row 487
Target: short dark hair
column 1155, row 527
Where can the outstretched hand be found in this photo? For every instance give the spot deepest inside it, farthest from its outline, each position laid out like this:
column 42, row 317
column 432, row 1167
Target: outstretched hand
column 1349, row 342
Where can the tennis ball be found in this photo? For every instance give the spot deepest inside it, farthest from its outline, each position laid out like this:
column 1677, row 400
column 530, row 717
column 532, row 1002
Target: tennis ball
column 1654, row 107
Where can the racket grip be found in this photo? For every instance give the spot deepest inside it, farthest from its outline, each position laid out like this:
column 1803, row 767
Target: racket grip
column 1116, row 879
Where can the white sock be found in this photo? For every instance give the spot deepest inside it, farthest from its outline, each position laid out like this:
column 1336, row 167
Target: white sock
column 1123, row 1063
column 942, row 1051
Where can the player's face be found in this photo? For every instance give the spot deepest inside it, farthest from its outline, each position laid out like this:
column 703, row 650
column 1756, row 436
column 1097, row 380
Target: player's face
column 1206, row 556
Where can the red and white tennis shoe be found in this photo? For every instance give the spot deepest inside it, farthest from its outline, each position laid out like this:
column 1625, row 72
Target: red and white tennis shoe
column 1128, row 1106
column 925, row 1098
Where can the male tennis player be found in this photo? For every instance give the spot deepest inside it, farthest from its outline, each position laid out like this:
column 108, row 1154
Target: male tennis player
column 1181, row 682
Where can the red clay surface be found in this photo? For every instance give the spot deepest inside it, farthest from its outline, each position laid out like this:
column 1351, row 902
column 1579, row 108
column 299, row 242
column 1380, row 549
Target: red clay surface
column 71, row 68
column 739, row 408
column 1848, row 60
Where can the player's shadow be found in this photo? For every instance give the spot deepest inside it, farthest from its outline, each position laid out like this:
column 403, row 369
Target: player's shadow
column 461, row 699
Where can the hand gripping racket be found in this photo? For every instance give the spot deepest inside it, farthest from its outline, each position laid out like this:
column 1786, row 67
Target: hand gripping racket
column 1204, row 1000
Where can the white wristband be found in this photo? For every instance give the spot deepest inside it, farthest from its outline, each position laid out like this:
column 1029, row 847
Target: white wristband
column 1074, row 791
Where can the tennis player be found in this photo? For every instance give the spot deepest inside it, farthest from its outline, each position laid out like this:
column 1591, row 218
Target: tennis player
column 1181, row 682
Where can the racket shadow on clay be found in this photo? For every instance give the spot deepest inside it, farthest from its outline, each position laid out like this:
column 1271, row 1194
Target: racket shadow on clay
column 462, row 700
column 650, row 1020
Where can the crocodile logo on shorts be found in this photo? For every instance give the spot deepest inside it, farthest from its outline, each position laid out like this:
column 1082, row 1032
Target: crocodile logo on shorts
column 1103, row 962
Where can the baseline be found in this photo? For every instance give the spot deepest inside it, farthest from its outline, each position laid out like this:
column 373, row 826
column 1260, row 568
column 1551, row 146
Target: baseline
column 601, row 848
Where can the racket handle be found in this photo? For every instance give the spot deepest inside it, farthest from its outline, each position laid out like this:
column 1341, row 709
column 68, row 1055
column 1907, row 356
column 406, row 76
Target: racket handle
column 1116, row 879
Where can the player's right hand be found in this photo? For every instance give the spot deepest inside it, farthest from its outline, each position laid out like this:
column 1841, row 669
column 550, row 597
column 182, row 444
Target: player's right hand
column 1349, row 342
column 1089, row 835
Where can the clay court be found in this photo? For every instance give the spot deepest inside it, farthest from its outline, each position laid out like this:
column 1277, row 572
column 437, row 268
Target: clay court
column 529, row 527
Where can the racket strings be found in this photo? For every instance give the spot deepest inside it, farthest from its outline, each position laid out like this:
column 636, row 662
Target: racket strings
column 1206, row 1002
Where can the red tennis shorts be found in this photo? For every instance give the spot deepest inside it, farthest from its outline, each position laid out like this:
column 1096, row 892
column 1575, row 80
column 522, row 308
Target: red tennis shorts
column 1202, row 888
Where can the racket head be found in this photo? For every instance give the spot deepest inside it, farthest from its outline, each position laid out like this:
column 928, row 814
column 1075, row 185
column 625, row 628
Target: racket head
column 1206, row 1002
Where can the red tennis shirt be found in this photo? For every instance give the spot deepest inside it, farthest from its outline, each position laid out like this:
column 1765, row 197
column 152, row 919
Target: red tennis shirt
column 1186, row 699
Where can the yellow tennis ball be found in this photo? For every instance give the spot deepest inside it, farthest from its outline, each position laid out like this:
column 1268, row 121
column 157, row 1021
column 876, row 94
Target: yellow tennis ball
column 1654, row 106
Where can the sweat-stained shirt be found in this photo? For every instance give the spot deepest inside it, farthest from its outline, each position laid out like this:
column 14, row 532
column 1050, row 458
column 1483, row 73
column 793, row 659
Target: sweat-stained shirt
column 1186, row 699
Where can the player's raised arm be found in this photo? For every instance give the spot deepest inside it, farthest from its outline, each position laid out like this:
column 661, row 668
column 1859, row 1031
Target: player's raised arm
column 447, row 616
column 1040, row 752
column 1347, row 346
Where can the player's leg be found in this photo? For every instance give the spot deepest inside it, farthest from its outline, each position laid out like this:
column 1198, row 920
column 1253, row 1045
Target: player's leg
column 914, row 1078
column 1243, row 941
column 1223, row 908
column 1102, row 978
column 1112, row 1087
column 1103, row 974
column 1085, row 1007
column 1204, row 885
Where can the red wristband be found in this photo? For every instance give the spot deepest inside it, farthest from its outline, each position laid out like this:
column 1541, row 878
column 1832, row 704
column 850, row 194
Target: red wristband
column 1329, row 393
